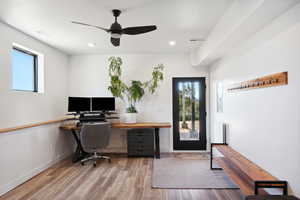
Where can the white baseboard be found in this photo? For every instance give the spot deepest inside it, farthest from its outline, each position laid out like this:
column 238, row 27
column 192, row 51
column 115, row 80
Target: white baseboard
column 18, row 181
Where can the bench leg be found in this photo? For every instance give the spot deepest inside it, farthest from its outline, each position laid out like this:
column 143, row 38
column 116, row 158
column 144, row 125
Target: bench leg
column 271, row 184
column 211, row 158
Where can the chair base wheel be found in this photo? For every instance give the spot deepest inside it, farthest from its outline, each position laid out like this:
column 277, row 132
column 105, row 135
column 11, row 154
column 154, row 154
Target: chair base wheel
column 94, row 159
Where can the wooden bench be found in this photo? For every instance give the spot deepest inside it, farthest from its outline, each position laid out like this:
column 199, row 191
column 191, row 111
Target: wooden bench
column 243, row 171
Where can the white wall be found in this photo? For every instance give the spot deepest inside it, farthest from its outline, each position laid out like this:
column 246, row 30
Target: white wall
column 264, row 124
column 26, row 152
column 89, row 77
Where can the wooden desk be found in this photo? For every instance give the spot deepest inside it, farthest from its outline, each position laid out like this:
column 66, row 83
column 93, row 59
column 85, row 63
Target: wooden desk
column 70, row 127
column 156, row 125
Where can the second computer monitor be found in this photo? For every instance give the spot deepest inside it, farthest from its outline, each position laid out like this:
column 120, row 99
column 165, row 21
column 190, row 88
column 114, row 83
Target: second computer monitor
column 103, row 104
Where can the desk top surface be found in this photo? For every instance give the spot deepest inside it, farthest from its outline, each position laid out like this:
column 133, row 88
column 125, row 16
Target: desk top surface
column 126, row 125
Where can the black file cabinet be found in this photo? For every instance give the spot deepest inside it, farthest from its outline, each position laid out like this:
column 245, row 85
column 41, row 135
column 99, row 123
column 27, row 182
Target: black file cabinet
column 140, row 142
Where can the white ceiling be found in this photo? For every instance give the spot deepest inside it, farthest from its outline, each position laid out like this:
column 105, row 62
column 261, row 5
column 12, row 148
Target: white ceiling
column 179, row 20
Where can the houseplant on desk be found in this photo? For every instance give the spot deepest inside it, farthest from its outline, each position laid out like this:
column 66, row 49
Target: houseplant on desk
column 133, row 92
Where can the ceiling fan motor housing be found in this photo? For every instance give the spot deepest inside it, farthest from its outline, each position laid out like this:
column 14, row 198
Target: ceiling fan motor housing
column 116, row 30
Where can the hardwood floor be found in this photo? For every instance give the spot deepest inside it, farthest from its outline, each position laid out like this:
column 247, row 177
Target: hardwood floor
column 124, row 179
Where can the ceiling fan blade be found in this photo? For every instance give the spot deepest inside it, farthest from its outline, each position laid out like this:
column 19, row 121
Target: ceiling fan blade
column 138, row 30
column 115, row 41
column 84, row 24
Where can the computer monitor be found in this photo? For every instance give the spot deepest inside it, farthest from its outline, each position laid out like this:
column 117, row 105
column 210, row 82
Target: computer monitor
column 103, row 104
column 79, row 104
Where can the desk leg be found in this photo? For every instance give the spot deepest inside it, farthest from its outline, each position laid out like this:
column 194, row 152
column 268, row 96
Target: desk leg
column 79, row 153
column 157, row 148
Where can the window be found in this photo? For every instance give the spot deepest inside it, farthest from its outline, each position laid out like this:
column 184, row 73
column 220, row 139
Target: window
column 24, row 70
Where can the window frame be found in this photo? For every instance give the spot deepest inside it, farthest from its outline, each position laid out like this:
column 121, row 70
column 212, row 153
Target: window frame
column 35, row 68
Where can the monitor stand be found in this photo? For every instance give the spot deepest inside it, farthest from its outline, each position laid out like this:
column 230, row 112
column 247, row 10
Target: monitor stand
column 92, row 117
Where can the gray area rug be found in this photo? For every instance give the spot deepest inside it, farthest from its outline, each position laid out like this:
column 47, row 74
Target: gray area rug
column 178, row 173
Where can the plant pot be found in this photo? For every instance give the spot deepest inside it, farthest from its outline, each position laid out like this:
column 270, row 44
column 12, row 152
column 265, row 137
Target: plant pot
column 130, row 117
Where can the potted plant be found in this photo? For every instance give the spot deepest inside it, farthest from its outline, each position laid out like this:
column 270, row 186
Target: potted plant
column 133, row 92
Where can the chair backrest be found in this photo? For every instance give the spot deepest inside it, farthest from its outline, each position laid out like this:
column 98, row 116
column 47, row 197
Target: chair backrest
column 95, row 135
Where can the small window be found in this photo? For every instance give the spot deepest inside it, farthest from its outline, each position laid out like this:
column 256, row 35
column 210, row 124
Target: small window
column 24, row 70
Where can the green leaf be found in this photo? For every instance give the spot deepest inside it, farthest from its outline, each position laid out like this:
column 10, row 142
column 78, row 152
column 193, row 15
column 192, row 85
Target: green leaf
column 157, row 76
column 117, row 87
column 136, row 90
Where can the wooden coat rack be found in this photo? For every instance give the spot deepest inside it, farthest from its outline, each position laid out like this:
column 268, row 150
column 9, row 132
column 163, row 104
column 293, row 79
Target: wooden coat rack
column 262, row 82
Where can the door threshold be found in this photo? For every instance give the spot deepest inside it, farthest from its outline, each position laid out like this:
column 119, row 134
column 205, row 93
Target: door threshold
column 189, row 151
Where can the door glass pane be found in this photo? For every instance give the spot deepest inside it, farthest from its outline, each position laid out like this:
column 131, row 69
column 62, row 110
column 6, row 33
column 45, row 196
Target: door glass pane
column 189, row 112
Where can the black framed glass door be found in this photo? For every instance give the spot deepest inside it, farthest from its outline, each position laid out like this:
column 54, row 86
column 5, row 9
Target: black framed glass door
column 189, row 114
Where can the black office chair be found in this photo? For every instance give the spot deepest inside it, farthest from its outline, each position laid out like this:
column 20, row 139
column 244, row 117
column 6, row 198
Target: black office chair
column 95, row 136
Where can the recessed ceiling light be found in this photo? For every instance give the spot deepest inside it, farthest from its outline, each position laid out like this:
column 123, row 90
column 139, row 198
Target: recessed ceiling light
column 172, row 43
column 91, row 44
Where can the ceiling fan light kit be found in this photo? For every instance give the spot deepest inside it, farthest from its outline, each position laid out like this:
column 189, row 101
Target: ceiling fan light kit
column 116, row 30
column 115, row 35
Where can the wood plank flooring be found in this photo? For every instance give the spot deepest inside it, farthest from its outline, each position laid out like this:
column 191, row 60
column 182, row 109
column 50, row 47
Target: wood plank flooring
column 124, row 179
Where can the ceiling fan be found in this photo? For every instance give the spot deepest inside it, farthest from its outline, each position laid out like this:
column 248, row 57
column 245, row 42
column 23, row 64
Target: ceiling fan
column 116, row 29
